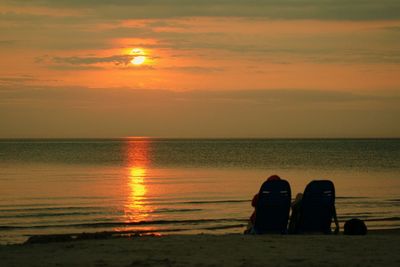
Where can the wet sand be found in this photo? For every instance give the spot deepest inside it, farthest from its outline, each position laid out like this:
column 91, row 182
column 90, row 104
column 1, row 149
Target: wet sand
column 378, row 248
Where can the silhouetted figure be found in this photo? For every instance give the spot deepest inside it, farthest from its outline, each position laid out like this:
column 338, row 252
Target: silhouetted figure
column 295, row 215
column 272, row 205
column 314, row 210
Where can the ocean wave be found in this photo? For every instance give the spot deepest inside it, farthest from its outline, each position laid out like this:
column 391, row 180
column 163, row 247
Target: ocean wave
column 366, row 213
column 115, row 224
column 174, row 210
column 48, row 209
column 222, row 227
column 216, row 201
column 44, row 215
column 348, row 197
column 383, row 219
column 397, row 201
column 77, row 211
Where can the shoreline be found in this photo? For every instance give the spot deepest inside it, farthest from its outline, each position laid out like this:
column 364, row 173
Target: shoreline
column 77, row 236
column 71, row 237
column 377, row 248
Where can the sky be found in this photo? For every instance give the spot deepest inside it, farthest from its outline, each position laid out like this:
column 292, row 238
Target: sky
column 207, row 69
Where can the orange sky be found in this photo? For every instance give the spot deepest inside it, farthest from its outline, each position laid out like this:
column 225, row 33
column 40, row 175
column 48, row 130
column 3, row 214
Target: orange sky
column 68, row 67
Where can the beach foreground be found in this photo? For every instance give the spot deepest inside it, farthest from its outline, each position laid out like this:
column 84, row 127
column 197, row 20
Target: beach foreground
column 378, row 248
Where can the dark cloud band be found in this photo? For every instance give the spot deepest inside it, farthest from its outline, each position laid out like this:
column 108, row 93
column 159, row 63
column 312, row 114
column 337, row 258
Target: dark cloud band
column 274, row 9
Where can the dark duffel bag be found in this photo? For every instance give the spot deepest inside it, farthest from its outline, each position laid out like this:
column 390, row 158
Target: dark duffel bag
column 355, row 227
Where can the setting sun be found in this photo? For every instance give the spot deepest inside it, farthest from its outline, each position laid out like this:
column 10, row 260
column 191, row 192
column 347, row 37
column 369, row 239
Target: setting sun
column 138, row 60
column 138, row 56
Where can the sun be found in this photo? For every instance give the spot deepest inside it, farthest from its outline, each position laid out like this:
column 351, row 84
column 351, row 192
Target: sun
column 139, row 60
column 139, row 57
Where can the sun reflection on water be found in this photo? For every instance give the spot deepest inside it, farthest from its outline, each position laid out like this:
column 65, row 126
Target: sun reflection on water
column 137, row 155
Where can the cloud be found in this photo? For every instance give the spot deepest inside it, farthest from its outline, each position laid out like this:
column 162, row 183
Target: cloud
column 392, row 28
column 115, row 59
column 63, row 67
column 21, row 80
column 273, row 9
column 8, row 43
column 194, row 69
column 90, row 63
column 280, row 97
column 264, row 43
column 17, row 79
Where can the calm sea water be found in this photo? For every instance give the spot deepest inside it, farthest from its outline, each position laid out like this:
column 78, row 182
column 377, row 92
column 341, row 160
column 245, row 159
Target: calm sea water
column 186, row 186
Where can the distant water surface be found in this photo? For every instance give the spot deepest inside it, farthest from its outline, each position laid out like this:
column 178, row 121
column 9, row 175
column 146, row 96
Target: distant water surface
column 183, row 185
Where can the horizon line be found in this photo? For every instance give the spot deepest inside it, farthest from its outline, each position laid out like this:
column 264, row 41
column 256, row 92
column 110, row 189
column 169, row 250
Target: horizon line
column 131, row 138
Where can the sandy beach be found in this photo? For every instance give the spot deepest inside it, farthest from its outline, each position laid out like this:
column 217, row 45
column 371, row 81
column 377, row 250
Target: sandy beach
column 378, row 248
column 155, row 133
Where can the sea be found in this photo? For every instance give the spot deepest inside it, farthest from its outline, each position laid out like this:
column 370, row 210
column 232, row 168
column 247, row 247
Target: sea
column 184, row 186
